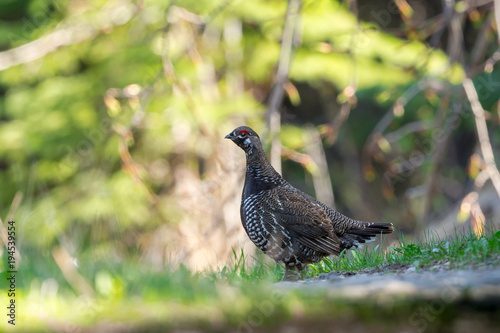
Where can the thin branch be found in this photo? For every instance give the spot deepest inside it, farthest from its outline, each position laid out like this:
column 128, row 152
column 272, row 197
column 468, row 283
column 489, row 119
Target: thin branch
column 431, row 27
column 479, row 113
column 439, row 149
column 455, row 51
column 400, row 103
column 70, row 272
column 350, row 91
column 303, row 159
column 455, row 46
column 495, row 57
column 415, row 126
column 342, row 116
column 321, row 177
column 278, row 91
column 398, row 107
column 480, row 45
column 100, row 23
column 18, row 197
column 482, row 133
column 490, row 63
column 443, row 22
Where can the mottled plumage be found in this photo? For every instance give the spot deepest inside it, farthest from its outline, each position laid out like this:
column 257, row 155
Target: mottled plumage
column 287, row 224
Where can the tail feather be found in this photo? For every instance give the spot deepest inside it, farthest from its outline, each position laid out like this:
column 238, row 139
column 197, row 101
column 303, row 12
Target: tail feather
column 356, row 237
column 373, row 229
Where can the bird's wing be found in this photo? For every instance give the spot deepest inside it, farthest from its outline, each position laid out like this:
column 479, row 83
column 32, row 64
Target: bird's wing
column 304, row 218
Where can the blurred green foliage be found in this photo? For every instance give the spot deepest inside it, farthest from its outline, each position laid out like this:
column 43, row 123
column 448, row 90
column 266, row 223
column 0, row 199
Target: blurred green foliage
column 109, row 132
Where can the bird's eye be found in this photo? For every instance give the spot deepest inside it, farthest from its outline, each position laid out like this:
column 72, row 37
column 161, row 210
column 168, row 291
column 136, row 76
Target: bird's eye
column 242, row 133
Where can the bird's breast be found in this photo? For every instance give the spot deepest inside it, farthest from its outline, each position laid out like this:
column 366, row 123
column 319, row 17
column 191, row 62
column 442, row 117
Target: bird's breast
column 264, row 228
column 252, row 218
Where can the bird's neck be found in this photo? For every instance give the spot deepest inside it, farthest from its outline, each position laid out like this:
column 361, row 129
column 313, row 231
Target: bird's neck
column 260, row 174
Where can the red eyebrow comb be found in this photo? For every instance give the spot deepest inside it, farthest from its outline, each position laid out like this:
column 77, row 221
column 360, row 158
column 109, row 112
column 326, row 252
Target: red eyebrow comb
column 243, row 131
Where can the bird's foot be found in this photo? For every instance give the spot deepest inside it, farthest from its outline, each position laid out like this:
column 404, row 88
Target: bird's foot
column 290, row 275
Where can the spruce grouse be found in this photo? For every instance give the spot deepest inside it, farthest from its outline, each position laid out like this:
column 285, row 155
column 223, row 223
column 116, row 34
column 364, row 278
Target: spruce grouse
column 288, row 225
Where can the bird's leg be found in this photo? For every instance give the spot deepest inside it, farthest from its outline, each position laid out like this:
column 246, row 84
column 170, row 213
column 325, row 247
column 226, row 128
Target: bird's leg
column 290, row 275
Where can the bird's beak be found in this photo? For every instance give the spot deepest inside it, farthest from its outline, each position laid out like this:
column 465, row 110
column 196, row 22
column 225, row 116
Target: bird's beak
column 229, row 136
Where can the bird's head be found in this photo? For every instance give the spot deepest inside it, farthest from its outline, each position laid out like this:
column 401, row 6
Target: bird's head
column 245, row 138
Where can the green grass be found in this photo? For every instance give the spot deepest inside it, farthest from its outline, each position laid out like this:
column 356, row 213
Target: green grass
column 140, row 296
column 460, row 251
